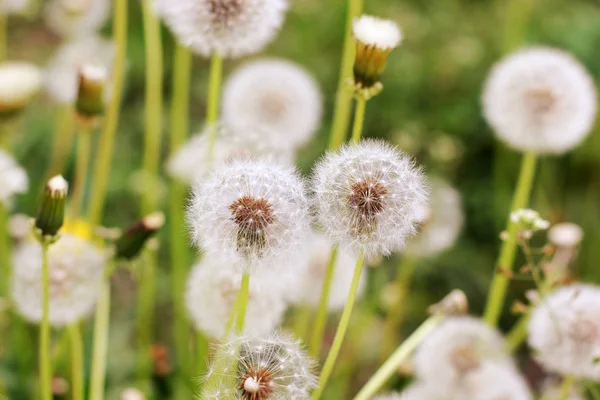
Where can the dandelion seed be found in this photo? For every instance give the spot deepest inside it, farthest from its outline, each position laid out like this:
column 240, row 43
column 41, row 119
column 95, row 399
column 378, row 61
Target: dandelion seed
column 13, row 178
column 77, row 18
column 19, row 84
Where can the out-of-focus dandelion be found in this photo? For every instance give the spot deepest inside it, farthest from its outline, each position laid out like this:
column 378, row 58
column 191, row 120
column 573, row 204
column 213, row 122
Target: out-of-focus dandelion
column 131, row 243
column 276, row 99
column 13, row 178
column 51, row 213
column 14, row 6
column 565, row 235
column 528, row 222
column 91, row 93
column 76, row 18
column 132, row 394
column 19, row 83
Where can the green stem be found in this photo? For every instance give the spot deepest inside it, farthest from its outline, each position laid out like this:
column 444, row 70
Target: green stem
column 242, row 304
column 100, row 349
column 5, row 249
column 201, row 354
column 341, row 330
column 62, row 139
column 145, row 325
column 343, row 101
column 44, row 351
column 76, row 361
column 232, row 316
column 212, row 107
column 302, row 318
column 316, row 339
column 3, row 36
column 400, row 356
column 103, row 159
column 359, row 119
column 565, row 387
column 593, row 390
column 518, row 333
column 507, row 255
column 84, row 147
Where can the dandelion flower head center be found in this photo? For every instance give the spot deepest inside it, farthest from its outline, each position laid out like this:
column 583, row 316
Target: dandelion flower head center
column 252, row 215
column 583, row 331
column 464, row 358
column 256, row 384
column 272, row 105
column 367, row 197
column 540, row 100
column 225, row 11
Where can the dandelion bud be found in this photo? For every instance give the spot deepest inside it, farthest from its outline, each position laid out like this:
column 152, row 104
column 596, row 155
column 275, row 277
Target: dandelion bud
column 19, row 83
column 13, row 178
column 90, row 95
column 132, row 241
column 455, row 303
column 375, row 40
column 51, row 214
column 565, row 235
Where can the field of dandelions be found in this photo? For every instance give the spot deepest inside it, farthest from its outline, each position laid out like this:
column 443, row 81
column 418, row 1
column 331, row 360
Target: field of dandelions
column 299, row 200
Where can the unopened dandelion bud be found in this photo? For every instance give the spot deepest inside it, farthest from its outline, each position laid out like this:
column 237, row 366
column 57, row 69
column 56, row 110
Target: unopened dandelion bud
column 131, row 243
column 19, row 83
column 90, row 95
column 51, row 214
column 455, row 303
column 375, row 40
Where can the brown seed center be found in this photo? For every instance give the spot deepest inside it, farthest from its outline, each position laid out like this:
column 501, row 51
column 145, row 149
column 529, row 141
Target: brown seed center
column 223, row 11
column 368, row 198
column 583, row 331
column 252, row 215
column 540, row 100
column 464, row 359
column 256, row 384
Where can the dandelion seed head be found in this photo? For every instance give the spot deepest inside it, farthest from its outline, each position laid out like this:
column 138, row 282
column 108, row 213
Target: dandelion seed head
column 367, row 197
column 373, row 31
column 13, row 178
column 76, row 18
column 14, row 6
column 494, row 382
column 19, row 83
column 565, row 235
column 540, row 99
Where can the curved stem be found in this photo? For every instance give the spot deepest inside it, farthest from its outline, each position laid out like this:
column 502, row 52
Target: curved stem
column 212, row 107
column 76, row 361
column 103, row 159
column 316, row 339
column 5, row 250
column 343, row 100
column 84, row 140
column 359, row 119
column 401, row 355
column 565, row 387
column 507, row 255
column 62, row 139
column 100, row 350
column 518, row 333
column 242, row 304
column 341, row 330
column 44, row 351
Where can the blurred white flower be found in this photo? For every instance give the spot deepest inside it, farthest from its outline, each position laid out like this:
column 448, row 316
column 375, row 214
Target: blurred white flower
column 528, row 222
column 19, row 83
column 368, row 197
column 212, row 288
column 14, row 6
column 230, row 28
column 440, row 224
column 541, row 100
column 276, row 99
column 272, row 368
column 62, row 74
column 76, row 18
column 565, row 235
column 76, row 268
column 376, row 32
column 493, row 382
column 13, row 178
column 564, row 331
column 132, row 394
column 254, row 212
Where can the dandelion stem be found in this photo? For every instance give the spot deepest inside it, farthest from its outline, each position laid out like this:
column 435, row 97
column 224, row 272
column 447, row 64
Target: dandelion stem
column 84, row 146
column 62, row 139
column 44, row 351
column 359, row 119
column 5, row 257
column 302, row 318
column 76, row 361
column 316, row 338
column 100, row 350
column 242, row 304
column 593, row 390
column 518, row 333
column 102, row 164
column 509, row 245
column 3, row 36
column 201, row 354
column 341, row 330
column 565, row 387
column 343, row 101
column 402, row 353
column 212, row 107
column 145, row 307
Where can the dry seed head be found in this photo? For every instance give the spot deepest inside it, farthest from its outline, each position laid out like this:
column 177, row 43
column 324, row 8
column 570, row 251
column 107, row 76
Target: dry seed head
column 19, row 84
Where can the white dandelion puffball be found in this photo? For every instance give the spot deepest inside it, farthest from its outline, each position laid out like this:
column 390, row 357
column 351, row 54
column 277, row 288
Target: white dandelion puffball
column 254, row 212
column 230, row 28
column 380, row 33
column 276, row 98
column 368, row 197
column 565, row 235
column 212, row 288
column 14, row 6
column 457, row 347
column 271, row 368
column 77, row 18
column 76, row 269
column 540, row 100
column 190, row 164
column 440, row 224
column 564, row 331
column 493, row 382
column 62, row 73
column 19, row 83
column 13, row 178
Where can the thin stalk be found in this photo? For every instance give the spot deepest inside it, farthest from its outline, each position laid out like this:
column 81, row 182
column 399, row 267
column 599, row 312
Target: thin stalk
column 201, row 354
column 212, row 107
column 62, row 139
column 400, row 356
column 44, row 351
column 84, row 146
column 507, row 255
column 359, row 119
column 5, row 250
column 343, row 100
column 316, row 339
column 232, row 316
column 103, row 159
column 3, row 36
column 518, row 333
column 76, row 361
column 100, row 350
column 242, row 304
column 145, row 308
column 341, row 330
column 566, row 387
column 302, row 318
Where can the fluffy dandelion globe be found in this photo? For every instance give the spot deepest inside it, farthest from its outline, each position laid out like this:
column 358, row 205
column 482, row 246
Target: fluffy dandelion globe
column 13, row 6
column 276, row 98
column 271, row 368
column 564, row 331
column 368, row 197
column 77, row 18
column 460, row 345
column 254, row 212
column 62, row 74
column 76, row 269
column 440, row 222
column 494, row 382
column 229, row 28
column 13, row 178
column 540, row 100
column 212, row 289
column 19, row 83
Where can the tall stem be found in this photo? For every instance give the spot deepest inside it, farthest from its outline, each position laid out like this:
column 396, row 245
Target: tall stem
column 507, row 255
column 145, row 324
column 359, row 119
column 62, row 139
column 100, row 350
column 102, row 165
column 343, row 100
column 3, row 36
column 84, row 140
column 566, row 387
column 76, row 361
column 316, row 338
column 242, row 304
column 44, row 351
column 518, row 333
column 400, row 356
column 341, row 330
column 212, row 107
column 5, row 250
